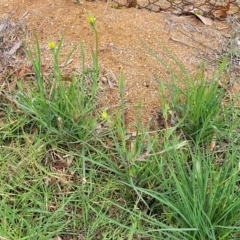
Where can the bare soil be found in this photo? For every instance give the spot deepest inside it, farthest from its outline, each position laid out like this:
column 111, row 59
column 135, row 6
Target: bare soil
column 123, row 37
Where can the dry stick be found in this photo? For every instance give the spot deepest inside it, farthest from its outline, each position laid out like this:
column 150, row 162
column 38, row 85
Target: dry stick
column 12, row 13
column 176, row 40
column 199, row 42
column 23, row 15
column 196, row 29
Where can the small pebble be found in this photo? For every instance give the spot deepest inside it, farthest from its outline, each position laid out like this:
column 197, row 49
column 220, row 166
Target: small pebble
column 104, row 80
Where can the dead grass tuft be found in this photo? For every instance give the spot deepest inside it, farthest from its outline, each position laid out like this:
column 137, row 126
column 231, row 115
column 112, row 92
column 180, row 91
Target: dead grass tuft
column 12, row 34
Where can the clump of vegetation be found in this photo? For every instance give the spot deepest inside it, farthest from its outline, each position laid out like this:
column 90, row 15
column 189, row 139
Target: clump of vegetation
column 71, row 170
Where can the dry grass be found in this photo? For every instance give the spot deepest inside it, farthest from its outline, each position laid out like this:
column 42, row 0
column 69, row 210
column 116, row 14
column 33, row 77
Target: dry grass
column 12, row 55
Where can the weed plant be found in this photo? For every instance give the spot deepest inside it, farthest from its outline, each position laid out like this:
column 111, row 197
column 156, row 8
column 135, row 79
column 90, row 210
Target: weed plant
column 65, row 110
column 196, row 102
column 176, row 189
column 42, row 133
column 181, row 189
column 60, row 179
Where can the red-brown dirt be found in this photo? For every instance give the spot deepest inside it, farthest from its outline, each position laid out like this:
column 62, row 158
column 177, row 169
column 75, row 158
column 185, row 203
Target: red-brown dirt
column 122, row 35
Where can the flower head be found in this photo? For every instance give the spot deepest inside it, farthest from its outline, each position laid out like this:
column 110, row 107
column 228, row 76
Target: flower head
column 91, row 20
column 51, row 45
column 105, row 115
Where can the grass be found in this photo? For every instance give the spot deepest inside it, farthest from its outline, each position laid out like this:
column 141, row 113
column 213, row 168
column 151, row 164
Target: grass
column 63, row 178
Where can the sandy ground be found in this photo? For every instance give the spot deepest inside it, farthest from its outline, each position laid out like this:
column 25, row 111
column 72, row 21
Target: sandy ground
column 122, row 36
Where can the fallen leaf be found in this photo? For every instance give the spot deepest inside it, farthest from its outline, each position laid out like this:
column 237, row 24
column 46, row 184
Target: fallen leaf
column 212, row 145
column 67, row 78
column 205, row 20
column 20, row 72
column 132, row 147
column 15, row 48
column 220, row 14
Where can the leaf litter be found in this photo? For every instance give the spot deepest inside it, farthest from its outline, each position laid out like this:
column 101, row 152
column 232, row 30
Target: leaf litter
column 12, row 55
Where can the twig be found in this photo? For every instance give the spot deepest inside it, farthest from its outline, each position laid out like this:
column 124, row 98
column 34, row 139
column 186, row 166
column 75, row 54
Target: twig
column 23, row 15
column 176, row 40
column 199, row 42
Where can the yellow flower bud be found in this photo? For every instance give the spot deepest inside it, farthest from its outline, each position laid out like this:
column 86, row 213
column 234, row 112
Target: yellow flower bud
column 51, row 45
column 91, row 20
column 105, row 115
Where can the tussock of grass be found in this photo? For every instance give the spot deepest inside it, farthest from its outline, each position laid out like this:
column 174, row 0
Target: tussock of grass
column 64, row 177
